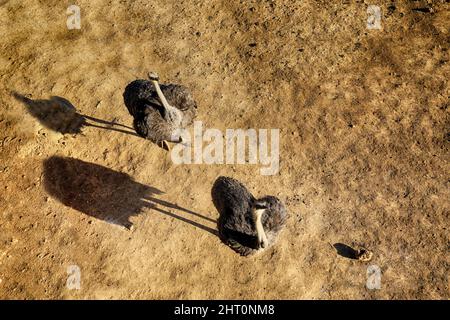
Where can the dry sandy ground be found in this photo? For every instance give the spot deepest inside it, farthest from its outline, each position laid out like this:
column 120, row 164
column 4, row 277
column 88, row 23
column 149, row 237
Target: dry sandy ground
column 364, row 129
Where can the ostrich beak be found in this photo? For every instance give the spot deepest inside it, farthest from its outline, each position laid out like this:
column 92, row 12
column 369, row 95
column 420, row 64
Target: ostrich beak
column 165, row 145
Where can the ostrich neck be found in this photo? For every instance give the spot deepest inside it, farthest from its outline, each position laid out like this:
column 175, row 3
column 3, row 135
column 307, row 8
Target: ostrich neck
column 161, row 96
column 258, row 224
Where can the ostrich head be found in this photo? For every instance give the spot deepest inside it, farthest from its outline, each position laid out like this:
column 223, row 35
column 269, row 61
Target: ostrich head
column 171, row 114
column 259, row 207
column 153, row 76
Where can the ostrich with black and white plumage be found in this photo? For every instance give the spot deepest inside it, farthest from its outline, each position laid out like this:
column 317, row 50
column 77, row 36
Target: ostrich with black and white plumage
column 159, row 111
column 246, row 224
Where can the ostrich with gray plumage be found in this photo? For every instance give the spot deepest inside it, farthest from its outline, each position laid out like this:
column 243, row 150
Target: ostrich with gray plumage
column 246, row 224
column 159, row 112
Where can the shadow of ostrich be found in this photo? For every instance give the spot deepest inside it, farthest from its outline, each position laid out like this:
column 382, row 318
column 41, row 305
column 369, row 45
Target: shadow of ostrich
column 345, row 251
column 59, row 115
column 106, row 194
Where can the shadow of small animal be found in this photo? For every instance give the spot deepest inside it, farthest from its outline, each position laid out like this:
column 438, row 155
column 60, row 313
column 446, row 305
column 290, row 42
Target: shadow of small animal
column 346, row 251
column 59, row 115
column 106, row 194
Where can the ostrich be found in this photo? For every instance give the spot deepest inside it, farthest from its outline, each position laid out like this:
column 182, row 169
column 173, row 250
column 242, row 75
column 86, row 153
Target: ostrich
column 159, row 111
column 246, row 224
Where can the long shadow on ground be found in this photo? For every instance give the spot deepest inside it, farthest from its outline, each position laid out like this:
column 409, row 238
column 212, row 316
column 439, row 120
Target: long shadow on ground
column 106, row 194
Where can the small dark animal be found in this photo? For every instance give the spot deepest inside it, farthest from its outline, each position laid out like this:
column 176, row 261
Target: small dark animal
column 246, row 224
column 159, row 112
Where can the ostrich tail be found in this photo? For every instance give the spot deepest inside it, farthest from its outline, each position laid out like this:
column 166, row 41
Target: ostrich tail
column 241, row 249
column 241, row 243
column 280, row 223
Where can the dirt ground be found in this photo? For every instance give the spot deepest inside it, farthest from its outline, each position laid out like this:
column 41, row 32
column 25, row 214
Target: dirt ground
column 364, row 137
